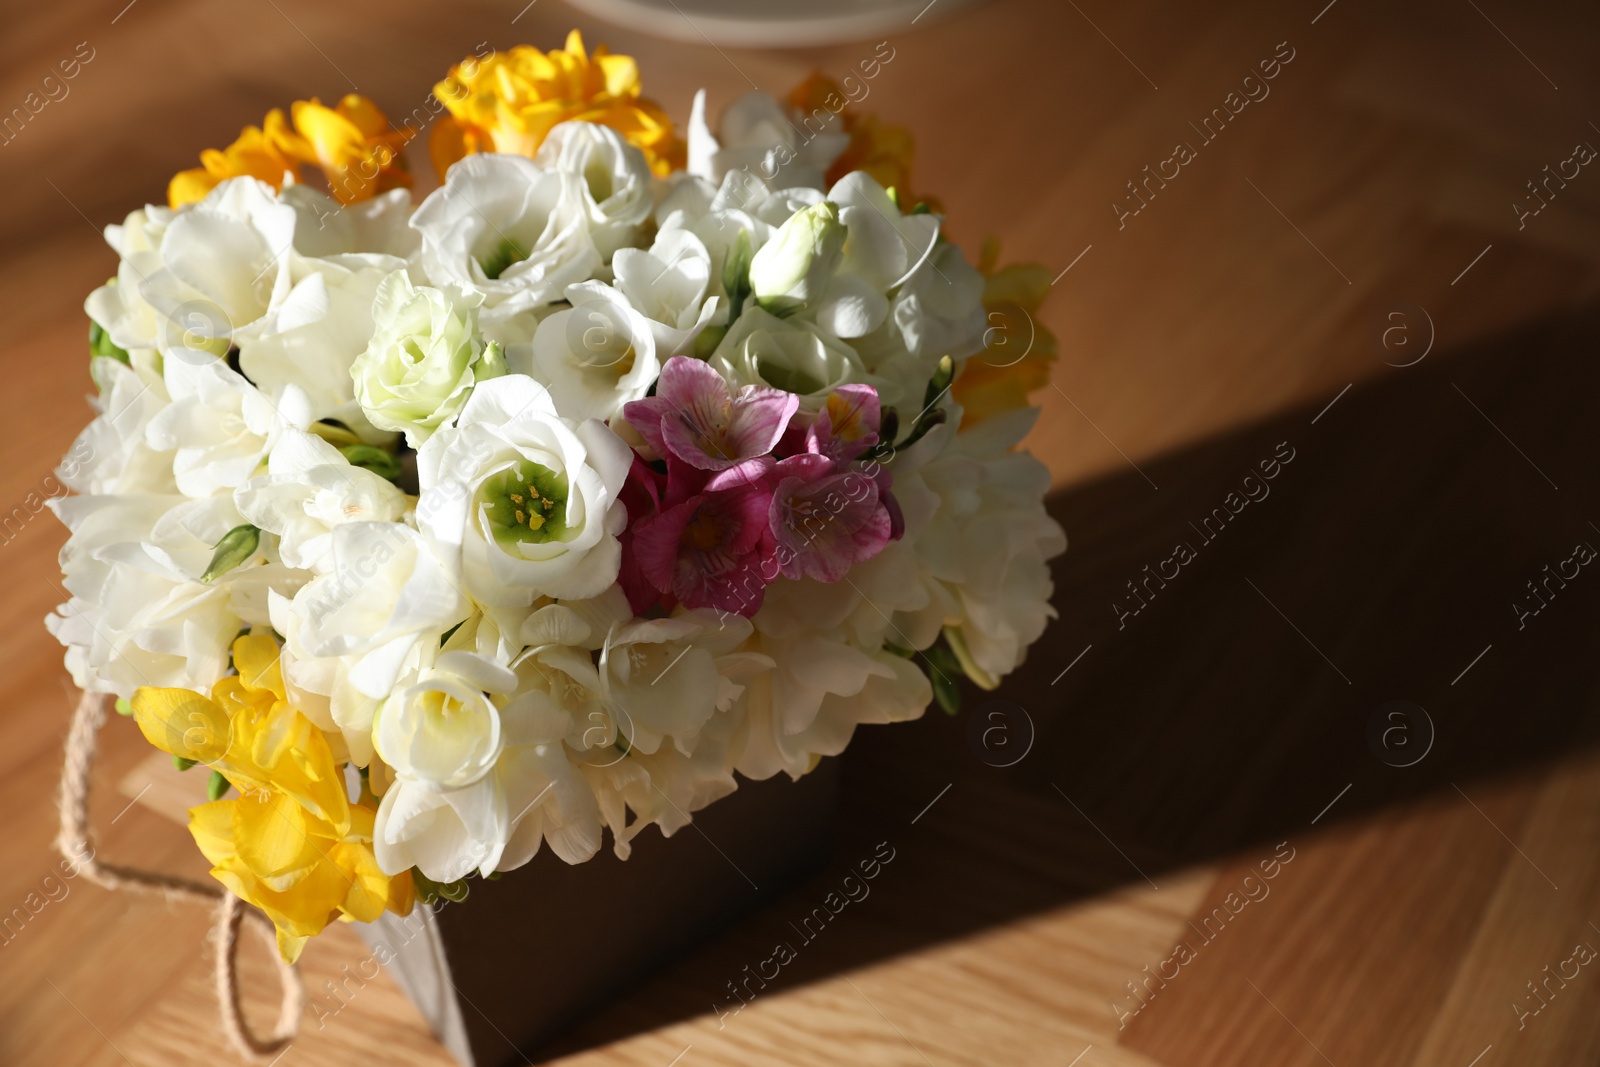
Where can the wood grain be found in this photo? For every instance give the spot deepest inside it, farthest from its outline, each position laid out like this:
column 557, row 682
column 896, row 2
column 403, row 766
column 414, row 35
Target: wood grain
column 1250, row 288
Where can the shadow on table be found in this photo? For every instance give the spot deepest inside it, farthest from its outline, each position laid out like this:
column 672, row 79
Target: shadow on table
column 1190, row 704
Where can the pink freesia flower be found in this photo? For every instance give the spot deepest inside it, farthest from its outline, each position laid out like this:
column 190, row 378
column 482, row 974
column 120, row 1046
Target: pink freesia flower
column 708, row 546
column 846, row 426
column 695, row 418
column 825, row 517
column 642, row 495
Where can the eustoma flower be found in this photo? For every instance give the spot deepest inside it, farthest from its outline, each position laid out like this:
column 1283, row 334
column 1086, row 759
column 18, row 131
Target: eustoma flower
column 539, row 514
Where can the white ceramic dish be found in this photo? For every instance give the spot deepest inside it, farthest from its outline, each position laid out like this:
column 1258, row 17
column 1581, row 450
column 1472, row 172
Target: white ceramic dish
column 769, row 23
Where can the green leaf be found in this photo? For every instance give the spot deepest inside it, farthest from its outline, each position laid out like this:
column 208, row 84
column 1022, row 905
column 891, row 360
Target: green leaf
column 217, row 786
column 100, row 344
column 429, row 890
column 944, row 670
column 736, row 275
column 379, row 461
column 709, row 339
column 236, row 546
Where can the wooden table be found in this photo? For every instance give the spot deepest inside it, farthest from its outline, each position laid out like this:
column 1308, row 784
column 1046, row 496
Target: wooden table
column 1228, row 716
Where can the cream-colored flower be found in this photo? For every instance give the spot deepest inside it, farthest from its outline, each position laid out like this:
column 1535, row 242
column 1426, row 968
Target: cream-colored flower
column 424, row 357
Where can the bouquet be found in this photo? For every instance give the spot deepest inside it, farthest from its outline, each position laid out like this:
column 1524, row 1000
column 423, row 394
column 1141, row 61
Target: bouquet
column 445, row 531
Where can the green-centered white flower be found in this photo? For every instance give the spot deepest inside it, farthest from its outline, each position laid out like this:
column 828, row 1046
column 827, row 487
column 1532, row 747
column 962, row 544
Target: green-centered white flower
column 425, row 356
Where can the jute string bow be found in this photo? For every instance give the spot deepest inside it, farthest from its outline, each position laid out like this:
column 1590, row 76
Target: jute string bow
column 76, row 845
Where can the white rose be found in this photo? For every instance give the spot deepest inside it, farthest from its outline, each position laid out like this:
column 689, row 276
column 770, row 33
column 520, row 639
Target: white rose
column 424, row 357
column 220, row 425
column 615, row 179
column 509, row 228
column 597, row 355
column 539, row 494
column 787, row 354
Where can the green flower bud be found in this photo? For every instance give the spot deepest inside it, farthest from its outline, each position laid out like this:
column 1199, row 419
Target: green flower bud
column 236, row 546
column 217, row 786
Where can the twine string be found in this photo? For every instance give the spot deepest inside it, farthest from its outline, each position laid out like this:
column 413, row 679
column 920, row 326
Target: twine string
column 75, row 842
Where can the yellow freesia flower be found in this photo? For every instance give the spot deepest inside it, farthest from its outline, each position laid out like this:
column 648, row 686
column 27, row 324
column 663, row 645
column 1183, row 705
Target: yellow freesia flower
column 509, row 101
column 1018, row 348
column 883, row 150
column 352, row 144
column 254, row 154
column 292, row 844
column 270, row 851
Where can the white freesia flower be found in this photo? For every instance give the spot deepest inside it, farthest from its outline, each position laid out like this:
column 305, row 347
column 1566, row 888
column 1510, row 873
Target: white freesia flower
column 423, row 359
column 111, row 455
column 533, row 795
column 883, row 246
column 138, row 615
column 220, row 425
column 759, row 134
column 670, row 285
column 820, row 689
column 595, row 356
column 324, row 227
column 311, row 339
column 539, row 495
column 615, row 179
column 509, row 228
column 443, row 729
column 387, row 595
column 222, row 264
column 309, row 488
column 667, row 677
column 984, row 553
column 117, row 306
column 787, row 354
column 939, row 309
column 664, row 788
